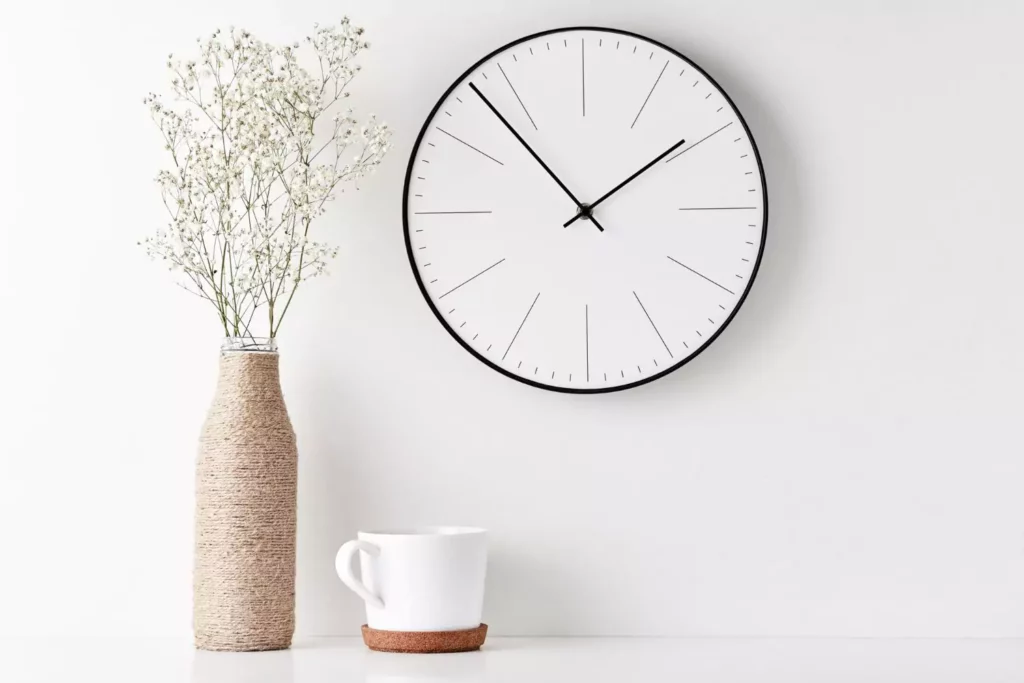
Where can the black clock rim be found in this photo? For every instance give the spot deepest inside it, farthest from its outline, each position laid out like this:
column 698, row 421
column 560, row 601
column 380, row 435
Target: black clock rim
column 470, row 349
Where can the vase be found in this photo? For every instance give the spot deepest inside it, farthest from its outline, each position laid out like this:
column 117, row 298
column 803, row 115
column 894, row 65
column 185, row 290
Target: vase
column 246, row 486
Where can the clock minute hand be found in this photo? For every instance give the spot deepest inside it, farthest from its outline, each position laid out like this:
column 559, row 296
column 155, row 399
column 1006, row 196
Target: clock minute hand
column 625, row 182
column 529, row 149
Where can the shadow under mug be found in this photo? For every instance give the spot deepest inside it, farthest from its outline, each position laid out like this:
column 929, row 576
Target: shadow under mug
column 424, row 579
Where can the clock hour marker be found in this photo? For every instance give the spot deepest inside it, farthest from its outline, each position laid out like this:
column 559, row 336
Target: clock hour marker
column 699, row 141
column 516, row 335
column 717, row 208
column 700, row 275
column 435, row 213
column 468, row 145
column 649, row 94
column 470, row 280
column 586, row 322
column 653, row 325
column 583, row 73
column 517, row 97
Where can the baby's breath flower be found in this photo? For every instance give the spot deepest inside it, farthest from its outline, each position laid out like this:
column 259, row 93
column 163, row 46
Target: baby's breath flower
column 250, row 171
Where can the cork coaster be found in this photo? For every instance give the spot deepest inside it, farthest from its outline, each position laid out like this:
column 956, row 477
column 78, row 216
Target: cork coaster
column 425, row 641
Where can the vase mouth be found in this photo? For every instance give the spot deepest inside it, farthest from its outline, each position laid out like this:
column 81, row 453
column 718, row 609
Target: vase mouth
column 249, row 345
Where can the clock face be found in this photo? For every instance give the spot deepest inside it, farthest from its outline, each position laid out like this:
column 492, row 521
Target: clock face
column 585, row 210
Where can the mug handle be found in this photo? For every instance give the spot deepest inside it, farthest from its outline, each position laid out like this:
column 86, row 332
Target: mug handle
column 343, row 565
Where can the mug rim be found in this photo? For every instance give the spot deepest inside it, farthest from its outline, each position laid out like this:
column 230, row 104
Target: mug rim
column 426, row 531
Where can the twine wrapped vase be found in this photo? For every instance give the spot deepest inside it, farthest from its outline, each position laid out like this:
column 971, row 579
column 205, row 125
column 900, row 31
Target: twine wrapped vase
column 246, row 483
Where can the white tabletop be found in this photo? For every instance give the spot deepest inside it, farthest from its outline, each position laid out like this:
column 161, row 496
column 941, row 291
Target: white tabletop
column 525, row 660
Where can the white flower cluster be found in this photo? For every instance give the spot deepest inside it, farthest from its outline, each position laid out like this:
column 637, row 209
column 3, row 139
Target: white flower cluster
column 258, row 146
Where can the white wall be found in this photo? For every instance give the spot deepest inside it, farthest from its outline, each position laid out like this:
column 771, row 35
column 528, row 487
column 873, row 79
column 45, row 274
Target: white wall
column 846, row 458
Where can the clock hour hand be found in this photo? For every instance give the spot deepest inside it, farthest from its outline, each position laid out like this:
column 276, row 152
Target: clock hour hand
column 540, row 161
column 625, row 182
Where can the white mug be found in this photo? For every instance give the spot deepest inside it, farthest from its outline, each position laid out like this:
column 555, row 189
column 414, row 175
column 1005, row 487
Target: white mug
column 427, row 579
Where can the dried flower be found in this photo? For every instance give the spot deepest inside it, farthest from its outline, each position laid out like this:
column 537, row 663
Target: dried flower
column 258, row 149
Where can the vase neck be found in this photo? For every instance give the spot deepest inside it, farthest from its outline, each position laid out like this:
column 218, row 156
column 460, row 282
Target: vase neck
column 249, row 345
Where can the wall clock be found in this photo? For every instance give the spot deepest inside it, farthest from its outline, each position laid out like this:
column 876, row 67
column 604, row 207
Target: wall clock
column 585, row 210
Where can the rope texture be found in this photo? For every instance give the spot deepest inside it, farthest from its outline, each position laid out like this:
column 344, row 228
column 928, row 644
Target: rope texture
column 246, row 486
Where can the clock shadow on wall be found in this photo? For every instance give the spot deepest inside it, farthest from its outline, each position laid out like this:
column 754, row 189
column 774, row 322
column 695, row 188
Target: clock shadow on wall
column 585, row 210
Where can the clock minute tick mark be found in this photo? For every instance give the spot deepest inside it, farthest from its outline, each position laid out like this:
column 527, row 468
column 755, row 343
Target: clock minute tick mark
column 719, row 109
column 489, row 346
column 446, row 112
column 475, row 149
column 433, row 281
column 700, row 275
column 649, row 93
column 471, row 279
column 462, row 325
column 644, row 309
column 475, row 336
column 516, row 335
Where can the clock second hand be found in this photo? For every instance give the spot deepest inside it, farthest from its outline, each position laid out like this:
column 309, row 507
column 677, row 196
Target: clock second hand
column 625, row 182
column 540, row 161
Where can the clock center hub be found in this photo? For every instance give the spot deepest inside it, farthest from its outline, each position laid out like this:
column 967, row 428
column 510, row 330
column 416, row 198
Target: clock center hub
column 584, row 212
